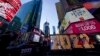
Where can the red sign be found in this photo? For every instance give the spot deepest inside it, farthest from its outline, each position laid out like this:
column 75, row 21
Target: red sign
column 90, row 5
column 8, row 8
column 89, row 26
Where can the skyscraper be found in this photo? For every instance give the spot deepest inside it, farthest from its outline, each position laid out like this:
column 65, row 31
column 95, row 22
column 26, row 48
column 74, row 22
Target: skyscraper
column 30, row 14
column 60, row 12
column 46, row 29
column 54, row 30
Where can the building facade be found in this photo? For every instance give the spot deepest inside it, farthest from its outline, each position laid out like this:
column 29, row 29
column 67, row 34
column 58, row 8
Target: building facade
column 30, row 14
column 60, row 11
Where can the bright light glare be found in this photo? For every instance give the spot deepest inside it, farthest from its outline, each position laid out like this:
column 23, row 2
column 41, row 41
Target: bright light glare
column 98, row 37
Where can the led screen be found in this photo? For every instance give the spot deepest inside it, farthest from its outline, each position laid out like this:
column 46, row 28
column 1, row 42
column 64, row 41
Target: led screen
column 8, row 8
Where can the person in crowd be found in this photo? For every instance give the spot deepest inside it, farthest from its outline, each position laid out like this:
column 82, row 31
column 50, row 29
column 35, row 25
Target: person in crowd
column 85, row 43
column 5, row 39
column 72, row 41
column 80, row 42
column 91, row 42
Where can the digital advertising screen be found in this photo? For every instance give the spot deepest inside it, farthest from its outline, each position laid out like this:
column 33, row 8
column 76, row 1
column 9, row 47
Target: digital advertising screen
column 89, row 26
column 77, row 15
column 36, row 38
column 8, row 8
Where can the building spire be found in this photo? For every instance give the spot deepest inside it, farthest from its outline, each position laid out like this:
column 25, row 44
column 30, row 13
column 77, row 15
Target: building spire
column 46, row 20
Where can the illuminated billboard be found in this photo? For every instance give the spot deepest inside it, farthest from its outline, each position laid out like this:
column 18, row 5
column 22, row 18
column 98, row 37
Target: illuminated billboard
column 76, row 15
column 88, row 26
column 62, row 42
column 8, row 8
column 36, row 35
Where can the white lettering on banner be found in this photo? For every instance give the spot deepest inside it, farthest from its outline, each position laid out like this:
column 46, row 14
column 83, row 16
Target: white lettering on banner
column 27, row 50
column 3, row 15
column 89, row 25
column 5, row 5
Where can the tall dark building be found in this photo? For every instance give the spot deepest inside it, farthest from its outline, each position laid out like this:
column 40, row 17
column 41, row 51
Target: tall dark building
column 69, row 5
column 54, row 30
column 30, row 14
column 46, row 29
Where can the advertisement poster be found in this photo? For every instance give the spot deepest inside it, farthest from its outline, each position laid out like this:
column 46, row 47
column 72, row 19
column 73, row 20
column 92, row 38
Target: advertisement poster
column 78, row 15
column 8, row 8
column 89, row 26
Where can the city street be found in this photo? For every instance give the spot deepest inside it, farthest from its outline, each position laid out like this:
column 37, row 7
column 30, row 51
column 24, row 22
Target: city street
column 49, row 27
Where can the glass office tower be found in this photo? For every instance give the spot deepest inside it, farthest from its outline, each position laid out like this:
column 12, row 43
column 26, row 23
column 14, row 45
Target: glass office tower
column 30, row 14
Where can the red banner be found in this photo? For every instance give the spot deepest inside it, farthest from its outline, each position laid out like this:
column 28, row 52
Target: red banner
column 89, row 26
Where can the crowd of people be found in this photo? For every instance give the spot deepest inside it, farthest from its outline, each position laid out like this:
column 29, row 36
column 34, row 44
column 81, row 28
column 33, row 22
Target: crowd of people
column 5, row 40
column 60, row 42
